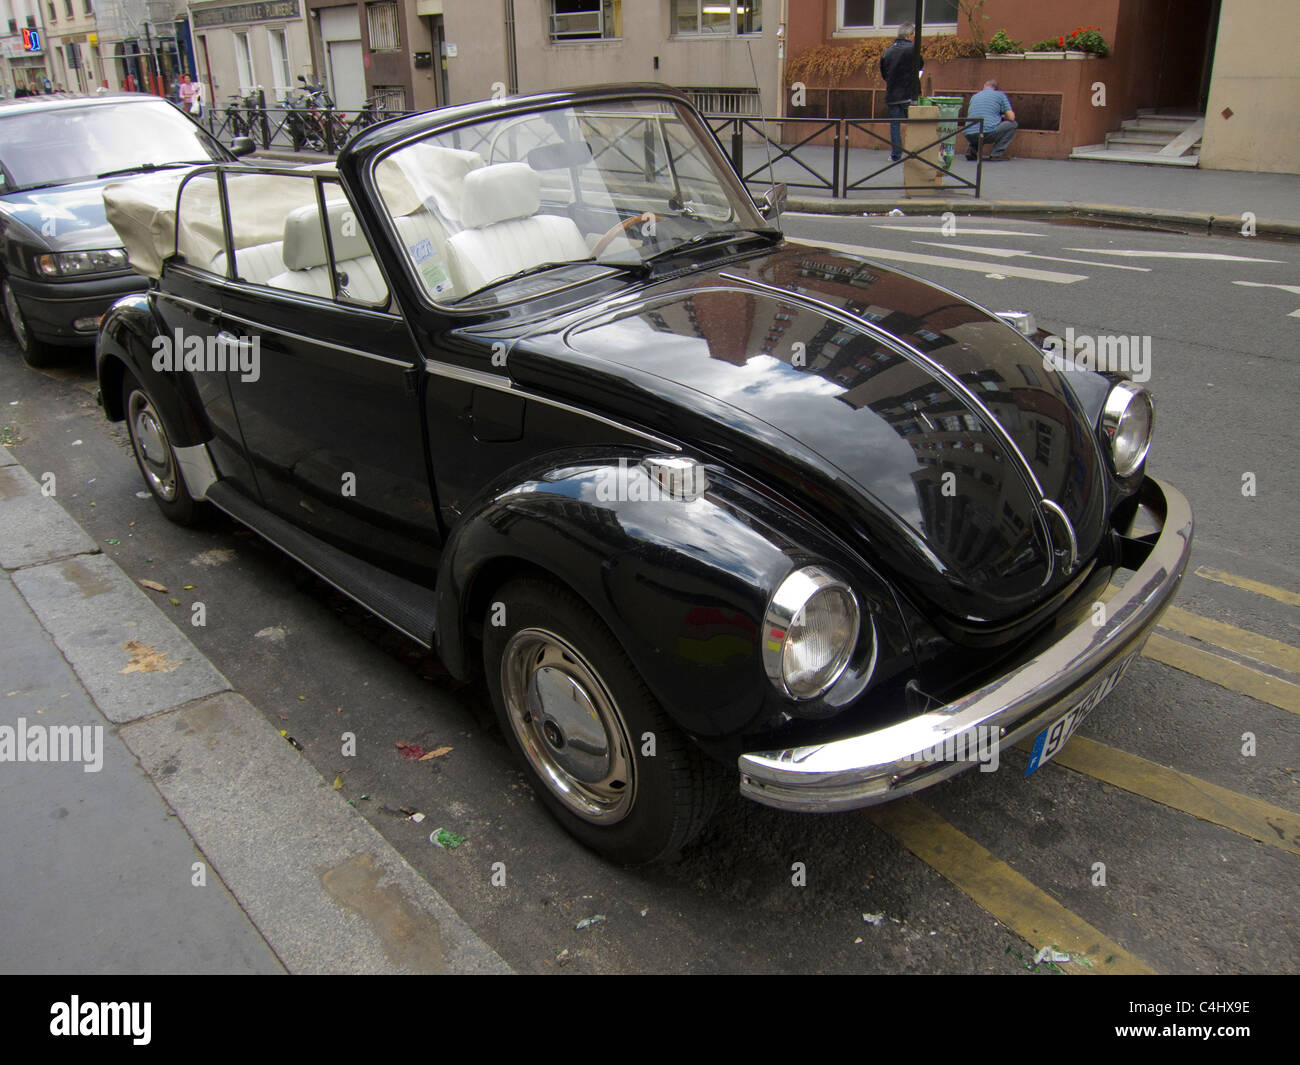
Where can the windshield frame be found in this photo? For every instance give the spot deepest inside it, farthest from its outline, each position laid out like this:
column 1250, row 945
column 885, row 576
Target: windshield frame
column 745, row 212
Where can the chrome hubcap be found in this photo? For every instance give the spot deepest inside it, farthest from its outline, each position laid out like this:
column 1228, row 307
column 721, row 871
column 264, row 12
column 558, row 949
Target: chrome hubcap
column 15, row 317
column 152, row 446
column 568, row 725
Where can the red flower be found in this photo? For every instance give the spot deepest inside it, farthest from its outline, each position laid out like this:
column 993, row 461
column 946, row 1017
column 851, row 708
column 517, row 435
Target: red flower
column 1061, row 41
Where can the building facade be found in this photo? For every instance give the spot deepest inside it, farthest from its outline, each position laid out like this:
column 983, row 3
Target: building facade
column 242, row 47
column 23, row 51
column 430, row 53
column 72, row 44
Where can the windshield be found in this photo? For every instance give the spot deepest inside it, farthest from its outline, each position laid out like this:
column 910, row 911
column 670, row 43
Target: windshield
column 609, row 184
column 57, row 145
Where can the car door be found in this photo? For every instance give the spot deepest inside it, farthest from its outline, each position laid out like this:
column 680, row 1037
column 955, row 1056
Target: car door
column 188, row 301
column 325, row 392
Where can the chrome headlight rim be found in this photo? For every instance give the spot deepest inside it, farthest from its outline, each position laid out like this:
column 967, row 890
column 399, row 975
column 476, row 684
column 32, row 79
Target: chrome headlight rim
column 799, row 588
column 1120, row 403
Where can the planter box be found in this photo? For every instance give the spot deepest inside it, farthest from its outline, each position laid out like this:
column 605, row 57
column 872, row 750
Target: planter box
column 1004, row 55
column 1072, row 54
column 1044, row 55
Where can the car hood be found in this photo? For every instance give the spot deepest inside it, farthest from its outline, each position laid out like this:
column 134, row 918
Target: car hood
column 921, row 426
column 63, row 218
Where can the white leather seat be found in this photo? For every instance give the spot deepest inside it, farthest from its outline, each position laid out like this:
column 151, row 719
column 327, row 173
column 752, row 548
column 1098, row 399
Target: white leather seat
column 258, row 263
column 307, row 259
column 504, row 233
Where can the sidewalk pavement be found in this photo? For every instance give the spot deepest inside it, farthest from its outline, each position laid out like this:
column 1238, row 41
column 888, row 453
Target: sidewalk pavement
column 156, row 821
column 1213, row 200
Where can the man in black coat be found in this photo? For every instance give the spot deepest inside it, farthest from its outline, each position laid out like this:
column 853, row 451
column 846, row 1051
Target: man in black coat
column 898, row 69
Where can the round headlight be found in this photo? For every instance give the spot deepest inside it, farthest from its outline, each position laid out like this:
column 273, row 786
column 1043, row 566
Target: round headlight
column 1126, row 424
column 809, row 632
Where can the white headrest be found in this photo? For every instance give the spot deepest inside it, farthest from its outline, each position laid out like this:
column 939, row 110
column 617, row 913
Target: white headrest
column 499, row 193
column 304, row 245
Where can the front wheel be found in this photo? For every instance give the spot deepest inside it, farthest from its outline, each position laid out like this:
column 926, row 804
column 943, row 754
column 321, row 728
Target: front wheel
column 599, row 750
column 155, row 455
column 34, row 352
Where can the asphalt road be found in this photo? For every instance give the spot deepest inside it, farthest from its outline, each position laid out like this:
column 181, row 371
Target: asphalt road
column 974, row 875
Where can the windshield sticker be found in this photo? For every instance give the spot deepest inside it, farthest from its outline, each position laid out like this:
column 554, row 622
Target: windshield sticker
column 431, row 271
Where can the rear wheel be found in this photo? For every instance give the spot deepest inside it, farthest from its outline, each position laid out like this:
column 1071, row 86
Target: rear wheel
column 34, row 352
column 155, row 455
column 599, row 750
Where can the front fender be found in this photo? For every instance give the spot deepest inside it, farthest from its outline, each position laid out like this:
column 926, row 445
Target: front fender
column 683, row 585
column 125, row 343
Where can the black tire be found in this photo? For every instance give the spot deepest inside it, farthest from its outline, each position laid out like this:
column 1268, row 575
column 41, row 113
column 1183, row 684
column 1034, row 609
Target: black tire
column 549, row 637
column 154, row 455
column 35, row 353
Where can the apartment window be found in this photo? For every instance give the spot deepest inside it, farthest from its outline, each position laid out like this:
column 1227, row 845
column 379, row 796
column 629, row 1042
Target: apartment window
column 54, row 16
column 382, row 22
column 692, row 18
column 244, row 63
column 13, row 25
column 67, row 9
column 882, row 15
column 88, row 8
column 279, row 47
column 586, row 20
column 31, row 22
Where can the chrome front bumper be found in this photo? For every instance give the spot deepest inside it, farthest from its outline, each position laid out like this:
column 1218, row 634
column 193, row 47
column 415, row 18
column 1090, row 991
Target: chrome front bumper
column 879, row 766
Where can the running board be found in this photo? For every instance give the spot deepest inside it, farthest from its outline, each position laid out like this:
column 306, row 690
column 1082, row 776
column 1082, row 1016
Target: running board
column 405, row 605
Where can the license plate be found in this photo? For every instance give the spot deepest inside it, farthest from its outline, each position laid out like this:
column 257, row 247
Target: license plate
column 1050, row 741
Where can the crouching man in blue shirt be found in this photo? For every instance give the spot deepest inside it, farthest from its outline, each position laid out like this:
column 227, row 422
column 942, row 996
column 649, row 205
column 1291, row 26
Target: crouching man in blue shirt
column 997, row 122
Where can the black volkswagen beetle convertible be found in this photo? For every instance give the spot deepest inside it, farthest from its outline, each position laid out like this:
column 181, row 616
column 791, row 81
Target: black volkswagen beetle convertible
column 537, row 382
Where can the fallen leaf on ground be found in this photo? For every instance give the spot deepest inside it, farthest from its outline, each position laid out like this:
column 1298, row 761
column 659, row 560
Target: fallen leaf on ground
column 338, row 782
column 437, row 752
column 153, row 586
column 146, row 659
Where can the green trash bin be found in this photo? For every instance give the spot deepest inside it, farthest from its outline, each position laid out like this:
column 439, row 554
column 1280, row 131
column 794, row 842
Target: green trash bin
column 949, row 114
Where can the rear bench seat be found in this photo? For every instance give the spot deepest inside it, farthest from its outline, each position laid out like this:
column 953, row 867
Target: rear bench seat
column 307, row 260
column 258, row 263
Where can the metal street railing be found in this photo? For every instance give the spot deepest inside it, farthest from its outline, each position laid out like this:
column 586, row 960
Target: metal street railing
column 834, row 156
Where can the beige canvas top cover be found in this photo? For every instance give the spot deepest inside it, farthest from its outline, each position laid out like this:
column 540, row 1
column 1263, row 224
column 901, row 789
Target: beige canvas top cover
column 143, row 211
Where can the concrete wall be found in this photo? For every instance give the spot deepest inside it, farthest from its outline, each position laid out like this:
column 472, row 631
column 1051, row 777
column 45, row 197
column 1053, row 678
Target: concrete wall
column 1257, row 77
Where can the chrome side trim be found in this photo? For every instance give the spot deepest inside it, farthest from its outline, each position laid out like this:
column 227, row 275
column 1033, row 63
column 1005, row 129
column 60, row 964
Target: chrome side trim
column 480, row 379
column 196, row 469
column 297, row 336
column 889, row 762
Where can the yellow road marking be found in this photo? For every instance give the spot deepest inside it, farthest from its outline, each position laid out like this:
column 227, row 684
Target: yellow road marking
column 1261, row 648
column 1226, row 674
column 1025, row 909
column 1251, row 817
column 1282, row 595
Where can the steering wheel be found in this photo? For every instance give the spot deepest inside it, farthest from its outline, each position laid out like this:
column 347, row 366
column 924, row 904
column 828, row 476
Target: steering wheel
column 622, row 227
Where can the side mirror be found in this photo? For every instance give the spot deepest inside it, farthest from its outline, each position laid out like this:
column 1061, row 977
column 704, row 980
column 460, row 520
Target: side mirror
column 242, row 146
column 773, row 201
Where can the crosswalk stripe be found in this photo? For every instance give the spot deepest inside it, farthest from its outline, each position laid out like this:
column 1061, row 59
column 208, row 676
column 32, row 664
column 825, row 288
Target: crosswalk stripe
column 1221, row 806
column 1226, row 674
column 1026, row 910
column 1203, row 256
column 1260, row 648
column 917, row 258
column 1282, row 595
column 1017, row 254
